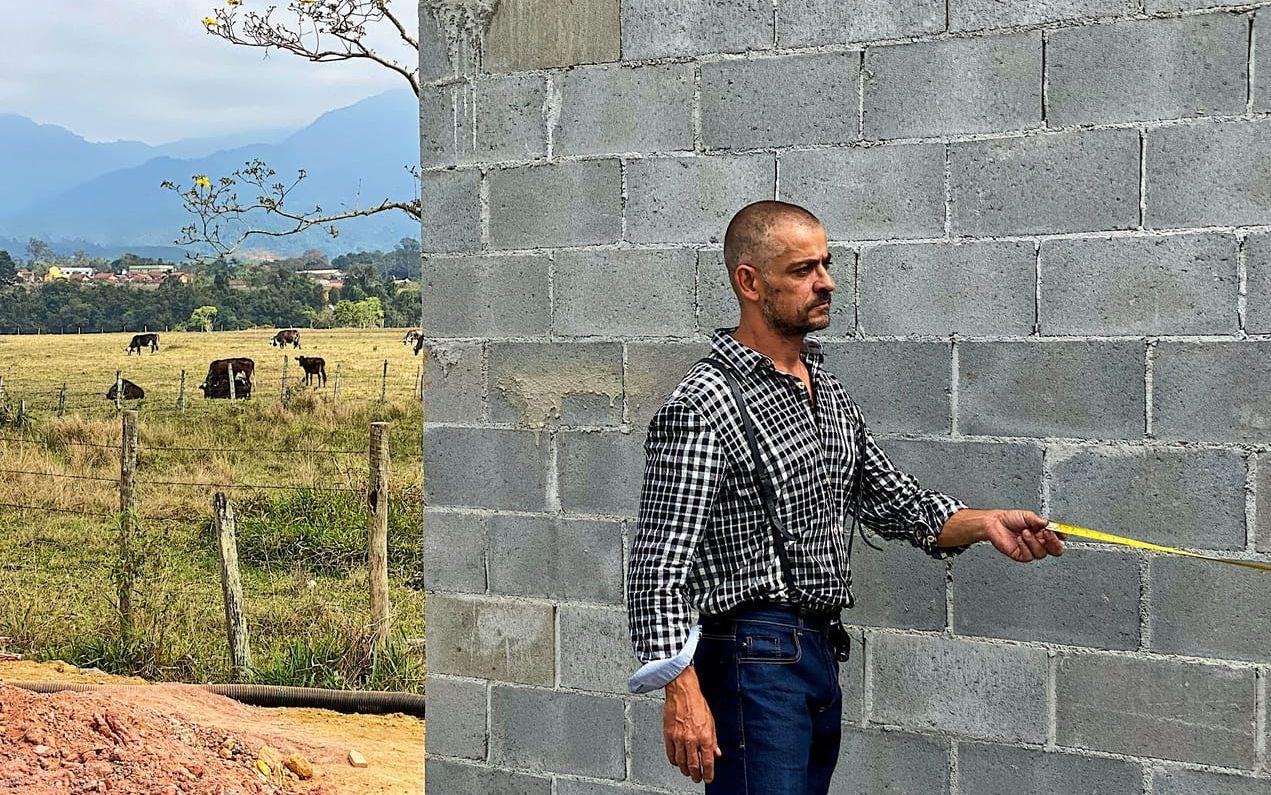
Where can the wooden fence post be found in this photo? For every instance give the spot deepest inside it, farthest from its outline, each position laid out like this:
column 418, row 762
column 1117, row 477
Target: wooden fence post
column 229, row 369
column 419, row 382
column 377, row 535
column 22, row 412
column 127, row 519
column 282, row 393
column 231, row 586
column 119, row 391
column 335, row 393
column 181, row 394
column 384, row 382
column 61, row 400
column 2, row 396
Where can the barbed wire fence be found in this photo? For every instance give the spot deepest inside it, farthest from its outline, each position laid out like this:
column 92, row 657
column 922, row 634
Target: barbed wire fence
column 372, row 493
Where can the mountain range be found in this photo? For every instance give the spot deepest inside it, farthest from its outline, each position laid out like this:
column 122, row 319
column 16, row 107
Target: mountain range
column 105, row 198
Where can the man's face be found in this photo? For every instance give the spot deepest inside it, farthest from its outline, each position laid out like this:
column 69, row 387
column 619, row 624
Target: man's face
column 795, row 286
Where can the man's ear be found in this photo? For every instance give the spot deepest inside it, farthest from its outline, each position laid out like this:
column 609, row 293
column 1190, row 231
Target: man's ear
column 747, row 281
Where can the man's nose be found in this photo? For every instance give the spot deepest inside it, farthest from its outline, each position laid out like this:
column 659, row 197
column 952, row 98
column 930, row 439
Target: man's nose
column 826, row 282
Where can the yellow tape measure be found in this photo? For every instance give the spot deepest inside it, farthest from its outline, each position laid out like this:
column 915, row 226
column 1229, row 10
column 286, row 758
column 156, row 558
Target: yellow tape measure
column 1098, row 535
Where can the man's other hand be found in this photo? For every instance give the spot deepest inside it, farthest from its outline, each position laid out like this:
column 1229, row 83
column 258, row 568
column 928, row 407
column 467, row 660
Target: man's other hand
column 1020, row 535
column 689, row 729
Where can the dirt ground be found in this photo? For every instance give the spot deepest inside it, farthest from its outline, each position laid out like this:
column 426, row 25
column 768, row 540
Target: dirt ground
column 148, row 738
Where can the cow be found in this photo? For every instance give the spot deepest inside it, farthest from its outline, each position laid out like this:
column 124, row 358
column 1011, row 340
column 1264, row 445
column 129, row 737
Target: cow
column 419, row 344
column 131, row 391
column 140, row 341
column 412, row 336
column 315, row 367
column 216, row 382
column 285, row 336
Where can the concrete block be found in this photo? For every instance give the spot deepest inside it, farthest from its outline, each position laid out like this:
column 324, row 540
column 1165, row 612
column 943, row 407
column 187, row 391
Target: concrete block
column 1261, row 44
column 569, row 786
column 1157, row 69
column 1157, row 6
column 717, row 305
column 512, row 467
column 615, row 109
column 600, row 473
column 439, row 142
column 983, row 14
column 801, row 23
column 572, row 383
column 852, row 679
column 451, row 210
column 434, row 58
column 1001, row 770
column 510, row 118
column 541, row 34
column 653, row 372
column 747, row 104
column 453, row 381
column 662, row 28
column 1208, row 175
column 556, row 558
column 1166, row 709
column 869, row 193
column 902, row 387
column 984, row 690
column 486, row 296
column 648, row 757
column 489, row 638
column 1181, row 284
column 1087, row 598
column 536, row 730
column 556, row 204
column 897, row 587
column 459, row 724
column 1258, row 281
column 890, row 763
column 1262, row 503
column 457, row 544
column 981, row 474
column 624, row 293
column 953, row 87
column 1199, row 610
column 446, row 776
column 1012, row 389
column 691, row 199
column 1175, row 781
column 1179, row 497
column 598, row 655
column 1186, row 378
column 938, row 289
column 1068, row 182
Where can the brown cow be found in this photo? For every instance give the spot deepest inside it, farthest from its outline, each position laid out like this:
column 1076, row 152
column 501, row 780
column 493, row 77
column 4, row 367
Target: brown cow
column 412, row 336
column 140, row 341
column 315, row 367
column 285, row 336
column 131, row 391
column 216, row 382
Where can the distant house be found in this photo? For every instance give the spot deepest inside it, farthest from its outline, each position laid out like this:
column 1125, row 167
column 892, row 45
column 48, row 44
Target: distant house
column 151, row 268
column 72, row 271
column 27, row 277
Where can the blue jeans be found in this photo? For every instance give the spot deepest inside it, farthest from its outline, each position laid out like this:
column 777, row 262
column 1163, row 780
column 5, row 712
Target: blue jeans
column 770, row 678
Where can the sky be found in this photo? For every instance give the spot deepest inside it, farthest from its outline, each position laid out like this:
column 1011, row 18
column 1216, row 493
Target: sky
column 145, row 70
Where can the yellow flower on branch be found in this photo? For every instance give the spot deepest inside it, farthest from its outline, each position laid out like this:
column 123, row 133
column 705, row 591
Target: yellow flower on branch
column 233, row 2
column 209, row 22
column 201, row 181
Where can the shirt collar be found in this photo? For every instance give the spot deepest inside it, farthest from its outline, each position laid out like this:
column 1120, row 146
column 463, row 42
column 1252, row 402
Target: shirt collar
column 746, row 360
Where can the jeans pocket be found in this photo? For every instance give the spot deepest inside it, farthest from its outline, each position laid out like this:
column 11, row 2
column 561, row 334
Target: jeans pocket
column 768, row 643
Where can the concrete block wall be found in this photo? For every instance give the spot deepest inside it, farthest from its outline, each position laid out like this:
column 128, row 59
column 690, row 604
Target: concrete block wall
column 1052, row 231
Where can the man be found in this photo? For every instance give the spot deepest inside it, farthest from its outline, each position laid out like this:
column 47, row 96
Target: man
column 752, row 696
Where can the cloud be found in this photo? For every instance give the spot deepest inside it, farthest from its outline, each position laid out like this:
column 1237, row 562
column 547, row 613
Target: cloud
column 146, row 70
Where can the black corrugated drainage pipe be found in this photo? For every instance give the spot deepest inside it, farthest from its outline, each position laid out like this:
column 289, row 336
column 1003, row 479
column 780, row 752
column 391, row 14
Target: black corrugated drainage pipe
column 364, row 701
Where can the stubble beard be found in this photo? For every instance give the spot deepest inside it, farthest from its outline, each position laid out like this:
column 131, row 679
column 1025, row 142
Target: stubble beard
column 798, row 326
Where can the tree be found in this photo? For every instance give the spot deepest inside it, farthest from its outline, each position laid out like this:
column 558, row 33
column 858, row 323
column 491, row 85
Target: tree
column 203, row 318
column 41, row 253
column 8, row 270
column 321, row 31
column 368, row 313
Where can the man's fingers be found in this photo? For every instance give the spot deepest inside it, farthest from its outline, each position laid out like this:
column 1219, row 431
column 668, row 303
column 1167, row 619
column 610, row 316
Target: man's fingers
column 695, row 765
column 708, row 765
column 1053, row 543
column 1034, row 545
column 681, row 756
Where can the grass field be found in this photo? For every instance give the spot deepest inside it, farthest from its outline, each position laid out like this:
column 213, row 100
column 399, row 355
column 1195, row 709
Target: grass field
column 301, row 526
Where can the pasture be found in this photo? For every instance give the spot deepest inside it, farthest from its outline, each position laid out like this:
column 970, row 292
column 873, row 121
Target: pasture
column 295, row 472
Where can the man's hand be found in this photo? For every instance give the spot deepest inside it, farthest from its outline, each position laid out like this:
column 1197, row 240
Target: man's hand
column 688, row 728
column 1020, row 535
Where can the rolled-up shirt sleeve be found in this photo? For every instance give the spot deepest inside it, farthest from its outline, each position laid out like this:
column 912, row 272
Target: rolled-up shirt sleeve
column 684, row 468
column 894, row 504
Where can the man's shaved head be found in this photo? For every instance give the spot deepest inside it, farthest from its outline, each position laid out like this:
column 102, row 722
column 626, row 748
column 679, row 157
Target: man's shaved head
column 747, row 238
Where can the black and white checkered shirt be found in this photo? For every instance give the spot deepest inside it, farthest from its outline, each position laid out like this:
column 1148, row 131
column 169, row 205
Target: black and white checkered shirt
column 703, row 541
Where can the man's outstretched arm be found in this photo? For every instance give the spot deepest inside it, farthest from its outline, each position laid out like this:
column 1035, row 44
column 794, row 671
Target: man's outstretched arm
column 1021, row 535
